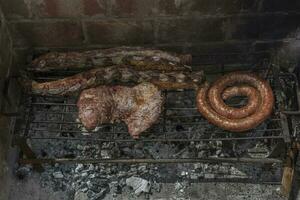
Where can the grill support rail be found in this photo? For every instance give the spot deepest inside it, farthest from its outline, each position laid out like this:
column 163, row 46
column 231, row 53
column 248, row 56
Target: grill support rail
column 281, row 134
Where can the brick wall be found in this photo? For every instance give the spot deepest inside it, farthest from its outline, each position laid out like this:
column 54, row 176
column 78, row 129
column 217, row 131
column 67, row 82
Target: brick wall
column 199, row 27
column 6, row 57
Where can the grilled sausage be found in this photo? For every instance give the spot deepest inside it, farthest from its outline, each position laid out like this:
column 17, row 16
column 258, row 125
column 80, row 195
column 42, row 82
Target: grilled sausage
column 211, row 105
column 220, row 107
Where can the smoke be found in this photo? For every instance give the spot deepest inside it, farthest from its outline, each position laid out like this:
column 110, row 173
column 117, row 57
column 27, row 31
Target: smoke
column 287, row 57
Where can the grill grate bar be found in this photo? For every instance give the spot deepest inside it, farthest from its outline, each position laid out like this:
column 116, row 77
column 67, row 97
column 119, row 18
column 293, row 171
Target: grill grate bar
column 156, row 140
column 124, row 132
column 182, row 160
column 190, row 123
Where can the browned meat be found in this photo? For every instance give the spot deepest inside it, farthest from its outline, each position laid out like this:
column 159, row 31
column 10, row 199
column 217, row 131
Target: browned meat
column 139, row 107
column 231, row 112
column 138, row 58
column 96, row 106
column 115, row 74
column 258, row 109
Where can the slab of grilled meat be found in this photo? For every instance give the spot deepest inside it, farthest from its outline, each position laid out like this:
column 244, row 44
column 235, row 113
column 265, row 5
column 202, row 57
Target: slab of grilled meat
column 115, row 75
column 137, row 57
column 139, row 106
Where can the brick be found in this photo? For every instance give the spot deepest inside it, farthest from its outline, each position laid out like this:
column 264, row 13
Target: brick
column 177, row 48
column 120, row 32
column 268, row 45
column 241, row 28
column 47, row 33
column 208, row 7
column 174, row 7
column 219, row 48
column 132, row 7
column 278, row 5
column 215, row 52
column 188, row 7
column 190, row 30
column 280, row 26
column 234, row 6
column 69, row 8
column 94, row 7
column 273, row 26
column 60, row 8
column 229, row 58
column 14, row 9
column 219, row 52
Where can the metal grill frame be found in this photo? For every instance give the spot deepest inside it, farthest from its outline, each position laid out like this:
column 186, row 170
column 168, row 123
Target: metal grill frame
column 21, row 141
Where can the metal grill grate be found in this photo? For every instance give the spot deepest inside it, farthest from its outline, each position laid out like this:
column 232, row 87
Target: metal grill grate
column 50, row 122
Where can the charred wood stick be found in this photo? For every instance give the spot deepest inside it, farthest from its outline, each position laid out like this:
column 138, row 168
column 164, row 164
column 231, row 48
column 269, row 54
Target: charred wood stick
column 115, row 75
column 137, row 57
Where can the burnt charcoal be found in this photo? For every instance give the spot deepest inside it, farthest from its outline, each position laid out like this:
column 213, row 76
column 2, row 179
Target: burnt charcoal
column 43, row 153
column 179, row 128
column 23, row 172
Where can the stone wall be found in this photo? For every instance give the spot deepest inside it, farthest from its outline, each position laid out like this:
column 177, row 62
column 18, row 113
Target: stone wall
column 242, row 29
column 6, row 57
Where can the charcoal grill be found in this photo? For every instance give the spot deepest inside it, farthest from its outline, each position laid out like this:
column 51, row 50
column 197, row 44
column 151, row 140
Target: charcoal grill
column 50, row 121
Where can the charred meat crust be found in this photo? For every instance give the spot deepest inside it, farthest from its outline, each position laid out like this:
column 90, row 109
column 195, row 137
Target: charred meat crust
column 117, row 75
column 139, row 59
column 139, row 106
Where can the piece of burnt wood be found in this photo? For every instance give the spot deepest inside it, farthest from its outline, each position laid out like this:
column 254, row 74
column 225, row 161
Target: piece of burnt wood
column 27, row 151
column 289, row 170
column 112, row 76
column 139, row 59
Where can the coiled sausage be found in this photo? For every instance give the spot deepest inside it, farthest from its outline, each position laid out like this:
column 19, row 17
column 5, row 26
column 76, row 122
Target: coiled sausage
column 260, row 101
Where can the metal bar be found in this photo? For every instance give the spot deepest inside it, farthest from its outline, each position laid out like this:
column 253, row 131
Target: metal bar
column 53, row 104
column 157, row 140
column 165, row 113
column 285, row 128
column 72, row 112
column 54, row 122
column 182, row 108
column 73, row 104
column 78, row 131
column 62, row 117
column 181, row 123
column 181, row 160
column 291, row 112
column 54, row 113
column 235, row 180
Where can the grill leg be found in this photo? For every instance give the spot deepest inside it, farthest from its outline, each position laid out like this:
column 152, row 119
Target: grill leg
column 27, row 151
